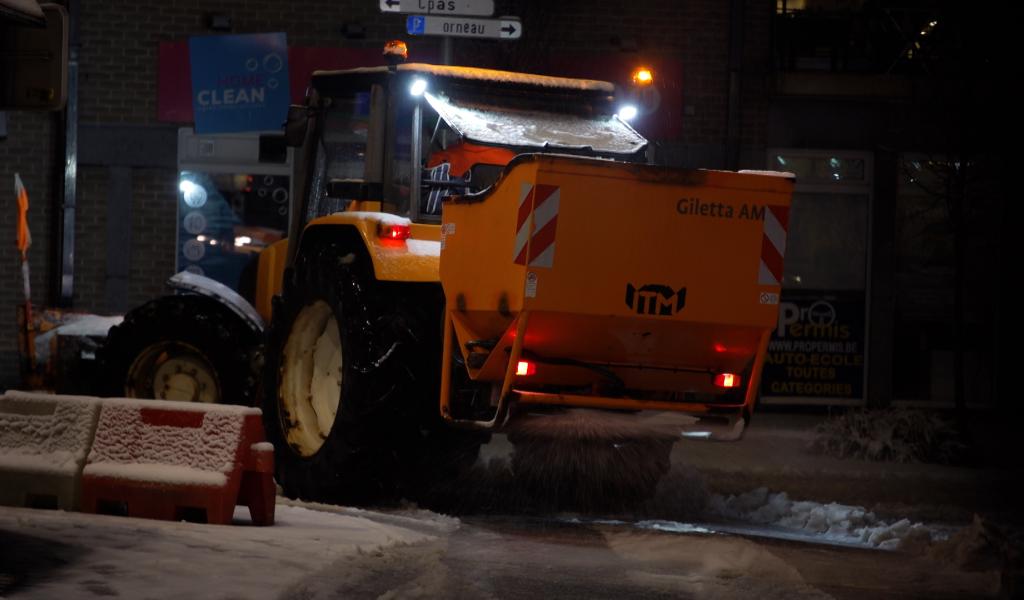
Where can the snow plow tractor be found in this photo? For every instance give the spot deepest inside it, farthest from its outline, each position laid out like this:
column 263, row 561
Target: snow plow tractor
column 473, row 246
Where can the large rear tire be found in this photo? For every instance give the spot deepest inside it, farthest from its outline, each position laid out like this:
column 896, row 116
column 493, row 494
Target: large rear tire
column 353, row 367
column 183, row 347
column 333, row 383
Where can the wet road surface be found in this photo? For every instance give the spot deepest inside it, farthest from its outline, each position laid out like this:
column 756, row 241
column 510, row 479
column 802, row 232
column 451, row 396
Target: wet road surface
column 529, row 558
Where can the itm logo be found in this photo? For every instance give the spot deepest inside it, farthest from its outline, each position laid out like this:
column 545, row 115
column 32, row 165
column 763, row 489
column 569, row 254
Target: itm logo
column 655, row 299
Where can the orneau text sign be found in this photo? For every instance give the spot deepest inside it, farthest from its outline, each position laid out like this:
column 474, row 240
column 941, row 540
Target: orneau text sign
column 508, row 28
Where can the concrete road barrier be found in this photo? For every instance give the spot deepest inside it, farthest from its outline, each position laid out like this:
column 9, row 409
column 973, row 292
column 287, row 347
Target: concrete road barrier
column 44, row 442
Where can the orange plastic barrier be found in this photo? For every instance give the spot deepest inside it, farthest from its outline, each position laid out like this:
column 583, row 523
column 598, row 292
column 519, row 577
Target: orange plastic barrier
column 179, row 461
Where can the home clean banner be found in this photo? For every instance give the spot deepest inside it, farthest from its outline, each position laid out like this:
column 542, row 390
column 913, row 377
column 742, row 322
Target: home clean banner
column 239, row 82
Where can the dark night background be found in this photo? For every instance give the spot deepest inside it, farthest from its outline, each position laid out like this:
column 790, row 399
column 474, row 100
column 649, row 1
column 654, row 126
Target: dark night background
column 910, row 99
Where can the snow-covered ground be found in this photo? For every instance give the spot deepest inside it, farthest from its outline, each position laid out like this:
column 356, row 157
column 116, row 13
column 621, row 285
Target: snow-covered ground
column 699, row 537
column 317, row 551
column 96, row 555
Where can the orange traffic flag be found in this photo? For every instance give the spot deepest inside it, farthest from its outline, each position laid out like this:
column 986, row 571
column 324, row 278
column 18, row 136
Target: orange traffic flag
column 24, row 236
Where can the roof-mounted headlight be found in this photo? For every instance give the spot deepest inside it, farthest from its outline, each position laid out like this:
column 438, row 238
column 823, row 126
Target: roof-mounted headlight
column 418, row 86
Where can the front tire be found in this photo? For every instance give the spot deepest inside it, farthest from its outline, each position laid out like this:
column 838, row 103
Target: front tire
column 182, row 347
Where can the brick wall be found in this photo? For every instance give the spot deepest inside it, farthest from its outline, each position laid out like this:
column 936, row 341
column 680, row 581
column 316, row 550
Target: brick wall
column 695, row 32
column 152, row 246
column 118, row 85
column 120, row 40
column 91, row 239
column 755, row 82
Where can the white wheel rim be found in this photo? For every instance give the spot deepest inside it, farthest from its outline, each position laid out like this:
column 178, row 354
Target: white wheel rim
column 311, row 372
column 173, row 371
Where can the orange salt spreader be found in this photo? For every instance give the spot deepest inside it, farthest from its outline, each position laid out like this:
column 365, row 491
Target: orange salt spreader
column 582, row 282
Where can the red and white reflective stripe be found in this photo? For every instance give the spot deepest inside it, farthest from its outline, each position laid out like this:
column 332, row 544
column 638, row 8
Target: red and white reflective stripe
column 541, row 201
column 773, row 245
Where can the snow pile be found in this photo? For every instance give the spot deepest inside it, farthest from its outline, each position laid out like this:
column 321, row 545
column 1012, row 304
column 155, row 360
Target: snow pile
column 74, row 325
column 836, row 522
column 94, row 325
column 423, row 247
column 898, row 435
column 126, row 447
column 673, row 527
column 783, row 174
column 45, row 433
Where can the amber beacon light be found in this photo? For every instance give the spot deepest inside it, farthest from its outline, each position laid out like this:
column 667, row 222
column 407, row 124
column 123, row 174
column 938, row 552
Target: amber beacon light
column 396, row 51
column 643, row 76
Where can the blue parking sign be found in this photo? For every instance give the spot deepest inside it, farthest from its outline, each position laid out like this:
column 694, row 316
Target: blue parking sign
column 416, row 25
column 239, row 82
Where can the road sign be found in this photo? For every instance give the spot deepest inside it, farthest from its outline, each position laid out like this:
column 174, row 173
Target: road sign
column 479, row 8
column 507, row 28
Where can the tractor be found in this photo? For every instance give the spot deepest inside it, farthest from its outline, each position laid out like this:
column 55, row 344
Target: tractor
column 474, row 247
column 471, row 250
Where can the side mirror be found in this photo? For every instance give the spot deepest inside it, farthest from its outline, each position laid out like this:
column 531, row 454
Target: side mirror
column 296, row 125
column 34, row 59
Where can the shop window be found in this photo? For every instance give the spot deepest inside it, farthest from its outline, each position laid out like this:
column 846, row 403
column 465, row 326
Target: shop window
column 817, row 354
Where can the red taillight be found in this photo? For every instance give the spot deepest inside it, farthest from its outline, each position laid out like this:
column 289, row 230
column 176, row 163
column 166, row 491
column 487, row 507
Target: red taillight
column 391, row 231
column 525, row 368
column 727, row 380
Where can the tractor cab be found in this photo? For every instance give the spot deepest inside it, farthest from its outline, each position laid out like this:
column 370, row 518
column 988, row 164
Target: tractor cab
column 399, row 139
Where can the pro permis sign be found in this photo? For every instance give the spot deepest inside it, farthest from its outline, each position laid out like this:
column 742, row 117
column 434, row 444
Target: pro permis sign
column 817, row 350
column 476, row 8
column 239, row 82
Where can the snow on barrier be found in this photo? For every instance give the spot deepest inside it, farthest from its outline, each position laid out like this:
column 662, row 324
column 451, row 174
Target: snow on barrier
column 44, row 441
column 179, row 460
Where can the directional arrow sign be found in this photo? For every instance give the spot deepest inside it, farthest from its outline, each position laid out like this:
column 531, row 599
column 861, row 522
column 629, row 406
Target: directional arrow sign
column 479, row 8
column 508, row 28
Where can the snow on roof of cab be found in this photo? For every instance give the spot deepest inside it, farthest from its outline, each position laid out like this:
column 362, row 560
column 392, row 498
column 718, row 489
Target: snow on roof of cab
column 491, row 75
column 784, row 174
column 536, row 128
